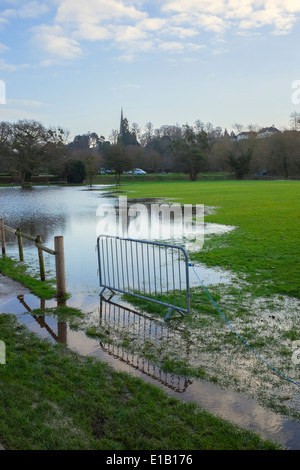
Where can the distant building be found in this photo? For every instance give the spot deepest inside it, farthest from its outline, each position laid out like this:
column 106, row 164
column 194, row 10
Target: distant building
column 267, row 132
column 263, row 133
column 125, row 136
column 245, row 135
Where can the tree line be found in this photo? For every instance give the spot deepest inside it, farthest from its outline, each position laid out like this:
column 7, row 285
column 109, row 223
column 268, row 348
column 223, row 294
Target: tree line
column 28, row 148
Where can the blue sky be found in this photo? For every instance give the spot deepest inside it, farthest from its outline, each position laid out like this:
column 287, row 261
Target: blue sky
column 75, row 63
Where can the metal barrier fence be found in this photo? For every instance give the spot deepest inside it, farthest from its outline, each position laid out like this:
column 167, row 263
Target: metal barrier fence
column 153, row 271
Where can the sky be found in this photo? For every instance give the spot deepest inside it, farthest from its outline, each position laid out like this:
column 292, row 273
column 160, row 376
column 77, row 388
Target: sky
column 76, row 63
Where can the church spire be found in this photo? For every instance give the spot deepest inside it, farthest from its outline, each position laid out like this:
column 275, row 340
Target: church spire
column 121, row 123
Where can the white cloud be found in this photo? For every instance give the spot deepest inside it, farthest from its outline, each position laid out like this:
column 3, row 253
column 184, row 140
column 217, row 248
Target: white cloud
column 95, row 11
column 153, row 24
column 25, row 10
column 179, row 47
column 25, row 103
column 8, row 67
column 32, row 9
column 129, row 27
column 171, row 46
column 52, row 40
column 3, row 47
column 9, row 13
column 220, row 15
column 12, row 67
column 92, row 32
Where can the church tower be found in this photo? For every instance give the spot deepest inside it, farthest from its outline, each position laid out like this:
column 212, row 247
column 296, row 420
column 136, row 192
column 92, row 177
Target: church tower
column 125, row 136
column 121, row 133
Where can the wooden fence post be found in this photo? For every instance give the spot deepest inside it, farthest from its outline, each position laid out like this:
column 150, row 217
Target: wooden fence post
column 60, row 266
column 2, row 236
column 41, row 258
column 20, row 244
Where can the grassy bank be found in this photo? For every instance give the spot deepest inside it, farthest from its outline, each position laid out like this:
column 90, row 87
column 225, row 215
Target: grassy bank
column 52, row 399
column 20, row 273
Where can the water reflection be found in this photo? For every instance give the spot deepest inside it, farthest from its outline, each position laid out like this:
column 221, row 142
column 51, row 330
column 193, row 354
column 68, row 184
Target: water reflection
column 118, row 320
column 61, row 335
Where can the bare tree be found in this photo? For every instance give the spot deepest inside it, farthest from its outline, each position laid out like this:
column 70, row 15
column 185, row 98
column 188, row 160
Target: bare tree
column 295, row 121
column 238, row 127
column 5, row 144
column 113, row 138
column 32, row 145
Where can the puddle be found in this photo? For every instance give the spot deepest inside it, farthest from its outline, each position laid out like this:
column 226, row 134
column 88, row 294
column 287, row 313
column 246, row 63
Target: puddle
column 246, row 413
column 209, row 276
column 8, row 289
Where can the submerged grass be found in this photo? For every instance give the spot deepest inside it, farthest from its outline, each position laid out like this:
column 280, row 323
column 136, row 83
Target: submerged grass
column 53, row 399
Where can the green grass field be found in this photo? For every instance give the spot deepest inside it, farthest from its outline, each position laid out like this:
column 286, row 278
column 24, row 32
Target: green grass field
column 265, row 246
column 52, row 399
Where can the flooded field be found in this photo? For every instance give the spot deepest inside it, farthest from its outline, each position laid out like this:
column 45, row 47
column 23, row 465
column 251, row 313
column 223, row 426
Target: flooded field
column 197, row 358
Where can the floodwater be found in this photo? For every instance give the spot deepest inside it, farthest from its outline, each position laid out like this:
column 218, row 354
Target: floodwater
column 72, row 213
column 75, row 214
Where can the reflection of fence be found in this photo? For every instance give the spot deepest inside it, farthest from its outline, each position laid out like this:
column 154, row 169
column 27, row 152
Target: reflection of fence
column 152, row 271
column 58, row 252
column 119, row 320
column 61, row 336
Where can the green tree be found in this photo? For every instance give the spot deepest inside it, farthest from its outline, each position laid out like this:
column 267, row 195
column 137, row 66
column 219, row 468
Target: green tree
column 240, row 163
column 85, row 142
column 117, row 158
column 75, row 171
column 90, row 168
column 125, row 136
column 191, row 149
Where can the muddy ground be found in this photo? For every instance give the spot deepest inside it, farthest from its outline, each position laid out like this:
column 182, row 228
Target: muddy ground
column 9, row 289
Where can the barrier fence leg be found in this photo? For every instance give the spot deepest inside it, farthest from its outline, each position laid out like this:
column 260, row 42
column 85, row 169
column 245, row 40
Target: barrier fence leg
column 2, row 236
column 60, row 266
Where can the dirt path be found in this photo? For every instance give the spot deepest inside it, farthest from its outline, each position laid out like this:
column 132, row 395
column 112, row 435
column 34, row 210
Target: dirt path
column 10, row 289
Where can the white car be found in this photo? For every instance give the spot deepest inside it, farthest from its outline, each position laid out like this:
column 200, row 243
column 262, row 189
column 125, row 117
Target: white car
column 138, row 171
